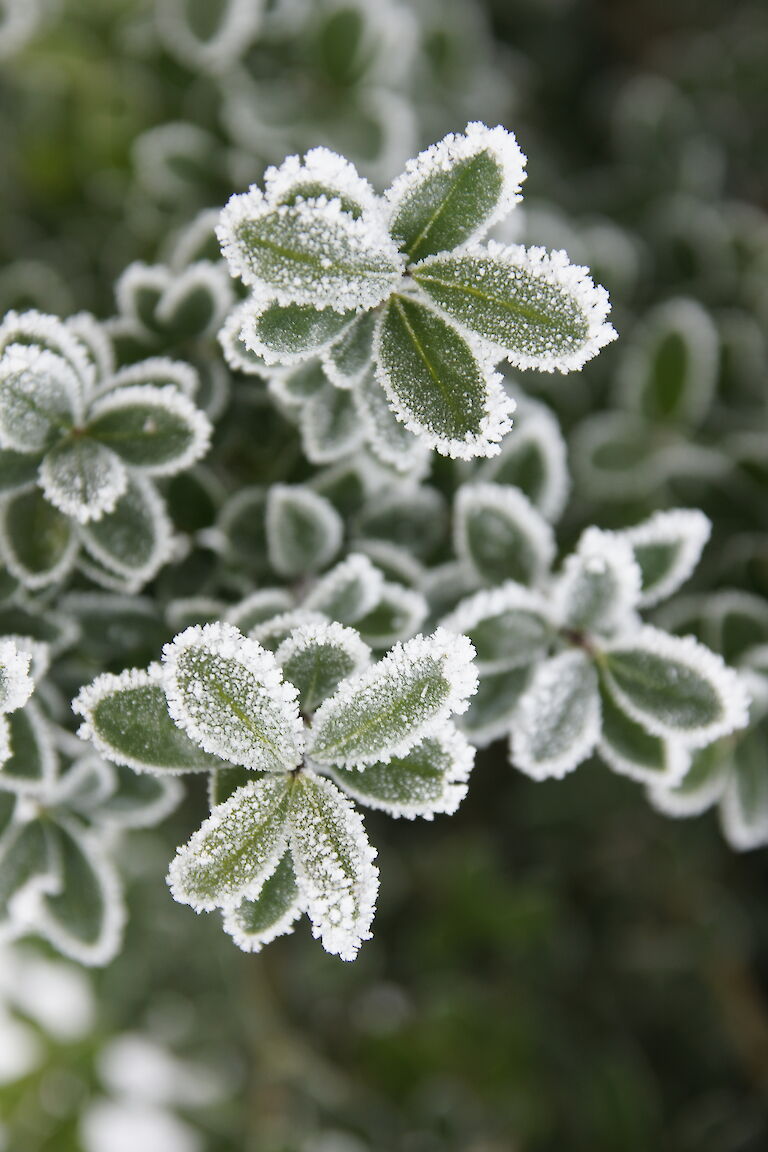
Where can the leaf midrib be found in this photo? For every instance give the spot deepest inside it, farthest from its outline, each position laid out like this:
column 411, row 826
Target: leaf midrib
column 445, row 392
column 515, row 309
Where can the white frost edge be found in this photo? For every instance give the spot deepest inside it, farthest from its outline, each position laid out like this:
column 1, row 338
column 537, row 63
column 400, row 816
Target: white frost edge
column 499, row 405
column 175, row 879
column 250, row 314
column 18, row 685
column 528, row 709
column 394, row 562
column 108, row 683
column 235, row 614
column 683, row 805
column 728, row 685
column 29, row 359
column 158, row 371
column 365, row 236
column 237, row 30
column 515, row 506
column 107, row 495
column 325, row 633
column 408, row 601
column 538, row 425
column 442, row 156
column 94, row 337
column 597, row 552
column 687, row 526
column 328, row 451
column 49, row 331
column 456, row 656
column 228, row 642
column 411, row 457
column 170, row 399
column 490, row 602
column 355, row 568
column 203, row 273
column 281, row 497
column 323, row 166
column 254, row 942
column 339, row 938
column 742, row 834
column 33, row 580
column 455, row 781
column 49, row 760
column 139, row 275
column 284, row 623
column 677, row 761
column 229, row 341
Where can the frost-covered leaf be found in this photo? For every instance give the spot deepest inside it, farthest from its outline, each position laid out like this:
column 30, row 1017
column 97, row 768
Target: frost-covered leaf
column 16, row 685
column 273, row 913
column 491, row 711
column 37, row 330
column 430, row 779
column 17, row 470
column 347, row 592
column 415, row 518
column 308, row 252
column 389, row 439
column 271, row 633
column 289, row 333
column 83, row 478
column 667, row 548
column 40, row 398
column 533, row 459
column 225, row 781
column 157, row 430
column 128, row 628
column 38, row 542
column 320, row 173
column 84, row 918
column 534, row 306
column 134, row 540
column 126, row 719
column 28, row 861
column 259, row 607
column 670, row 371
column 294, row 387
column 396, row 563
column 226, row 692
column 236, row 849
column 243, row 528
column 557, row 722
column 629, row 749
column 330, row 426
column 701, row 787
column 599, row 586
column 744, row 804
column 455, row 190
column 398, row 614
column 351, row 353
column 304, row 530
column 238, row 357
column 407, row 696
column 315, row 658
column 442, row 389
column 138, row 800
column 674, row 686
column 211, row 35
column 33, row 763
column 500, row 535
column 510, row 627
column 338, row 881
column 193, row 610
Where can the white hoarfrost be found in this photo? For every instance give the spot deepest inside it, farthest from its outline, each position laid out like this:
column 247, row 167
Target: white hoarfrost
column 41, row 398
column 682, row 532
column 326, row 634
column 227, row 693
column 83, row 479
column 598, row 588
column 30, row 328
column 513, row 512
column 292, row 514
column 333, row 858
column 557, row 721
column 16, row 685
column 408, row 695
column 166, row 401
column 348, row 591
column 446, row 153
column 320, row 167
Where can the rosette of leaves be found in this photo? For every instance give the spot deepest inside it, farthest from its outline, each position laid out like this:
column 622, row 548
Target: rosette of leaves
column 396, row 294
column 61, row 809
column 80, row 448
column 567, row 667
column 284, row 736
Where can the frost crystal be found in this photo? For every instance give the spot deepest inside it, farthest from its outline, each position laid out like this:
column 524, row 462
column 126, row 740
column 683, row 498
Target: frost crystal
column 599, row 586
column 557, row 722
column 16, row 685
column 668, row 547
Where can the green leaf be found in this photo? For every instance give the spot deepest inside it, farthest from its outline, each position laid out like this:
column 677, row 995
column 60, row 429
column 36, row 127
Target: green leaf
column 242, row 521
column 84, row 919
column 557, row 721
column 509, row 626
column 259, row 607
column 352, row 352
column 667, row 548
column 288, row 333
column 308, row 253
column 228, row 695
column 17, row 470
column 126, row 719
column 388, row 438
column 27, row 858
column 455, row 190
column 599, row 587
column 304, row 530
column 500, row 535
column 538, row 309
column 330, row 426
column 337, row 879
column 629, row 749
column 33, row 762
column 225, row 781
column 430, row 779
column 134, row 540
column 254, row 923
column 391, row 707
column 38, row 542
column 138, row 800
column 435, row 382
column 533, row 460
column 347, row 592
column 40, row 398
column 674, row 687
column 157, row 430
column 315, row 658
column 491, row 710
column 413, row 517
column 82, row 479
column 701, row 787
column 236, row 849
column 744, row 806
column 399, row 613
